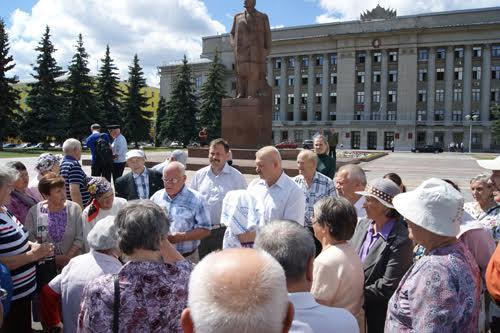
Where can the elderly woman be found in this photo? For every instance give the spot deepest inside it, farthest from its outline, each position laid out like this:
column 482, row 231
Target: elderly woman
column 45, row 163
column 104, row 203
column 20, row 256
column 152, row 287
column 68, row 286
column 440, row 293
column 382, row 243
column 22, row 198
column 326, row 164
column 56, row 220
column 338, row 277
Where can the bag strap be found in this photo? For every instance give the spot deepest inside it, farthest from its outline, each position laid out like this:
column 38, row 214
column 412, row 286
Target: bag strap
column 116, row 305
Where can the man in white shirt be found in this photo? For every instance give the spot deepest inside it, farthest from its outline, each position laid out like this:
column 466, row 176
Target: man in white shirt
column 349, row 179
column 280, row 196
column 213, row 182
column 119, row 148
column 293, row 247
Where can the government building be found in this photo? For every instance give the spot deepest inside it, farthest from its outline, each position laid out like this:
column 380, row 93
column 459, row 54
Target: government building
column 411, row 80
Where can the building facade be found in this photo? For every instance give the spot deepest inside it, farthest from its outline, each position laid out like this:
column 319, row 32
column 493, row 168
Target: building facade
column 410, row 80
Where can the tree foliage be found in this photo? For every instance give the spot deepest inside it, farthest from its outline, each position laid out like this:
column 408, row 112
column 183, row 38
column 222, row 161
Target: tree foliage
column 495, row 127
column 161, row 113
column 108, row 91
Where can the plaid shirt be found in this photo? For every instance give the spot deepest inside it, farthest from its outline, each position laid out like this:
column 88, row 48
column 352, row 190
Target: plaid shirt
column 187, row 212
column 321, row 187
column 142, row 183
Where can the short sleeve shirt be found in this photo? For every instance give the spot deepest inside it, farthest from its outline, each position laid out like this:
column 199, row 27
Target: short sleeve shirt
column 73, row 173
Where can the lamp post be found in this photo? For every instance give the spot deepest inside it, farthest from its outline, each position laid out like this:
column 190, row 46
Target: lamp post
column 471, row 118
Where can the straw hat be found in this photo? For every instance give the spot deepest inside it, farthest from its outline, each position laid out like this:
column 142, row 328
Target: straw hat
column 384, row 190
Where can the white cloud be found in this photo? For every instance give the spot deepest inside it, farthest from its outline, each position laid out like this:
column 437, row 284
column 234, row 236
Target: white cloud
column 278, row 26
column 158, row 31
column 350, row 10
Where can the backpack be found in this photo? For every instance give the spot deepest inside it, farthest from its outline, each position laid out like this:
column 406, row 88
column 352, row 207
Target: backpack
column 103, row 152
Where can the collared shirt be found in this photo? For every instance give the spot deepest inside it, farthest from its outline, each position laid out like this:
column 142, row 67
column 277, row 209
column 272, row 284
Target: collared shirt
column 119, row 147
column 284, row 200
column 371, row 237
column 360, row 211
column 142, row 183
column 320, row 318
column 187, row 212
column 321, row 187
column 213, row 188
column 72, row 172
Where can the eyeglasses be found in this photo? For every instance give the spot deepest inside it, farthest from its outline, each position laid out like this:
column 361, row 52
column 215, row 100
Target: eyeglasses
column 171, row 180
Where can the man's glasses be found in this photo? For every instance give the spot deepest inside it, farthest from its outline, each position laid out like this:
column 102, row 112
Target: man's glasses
column 171, row 180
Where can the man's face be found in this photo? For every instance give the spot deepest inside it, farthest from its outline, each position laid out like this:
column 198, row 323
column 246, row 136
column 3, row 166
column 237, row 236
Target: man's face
column 217, row 156
column 344, row 184
column 495, row 179
column 305, row 166
column 173, row 180
column 264, row 167
column 319, row 146
column 136, row 164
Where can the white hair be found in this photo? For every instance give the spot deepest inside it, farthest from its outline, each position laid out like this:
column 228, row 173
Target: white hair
column 254, row 307
column 355, row 172
column 175, row 165
column 70, row 145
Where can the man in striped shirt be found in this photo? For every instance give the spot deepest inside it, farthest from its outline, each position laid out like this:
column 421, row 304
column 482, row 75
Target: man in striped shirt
column 74, row 177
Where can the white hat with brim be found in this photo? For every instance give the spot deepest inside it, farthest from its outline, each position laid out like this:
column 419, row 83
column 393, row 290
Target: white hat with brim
column 104, row 234
column 434, row 205
column 135, row 153
column 490, row 164
column 384, row 190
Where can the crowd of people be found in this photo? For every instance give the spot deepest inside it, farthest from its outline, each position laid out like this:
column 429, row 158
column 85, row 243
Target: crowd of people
column 325, row 251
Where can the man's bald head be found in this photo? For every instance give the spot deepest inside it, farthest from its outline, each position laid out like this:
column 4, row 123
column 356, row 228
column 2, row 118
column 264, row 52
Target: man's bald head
column 174, row 178
column 238, row 290
column 307, row 161
column 349, row 179
column 268, row 164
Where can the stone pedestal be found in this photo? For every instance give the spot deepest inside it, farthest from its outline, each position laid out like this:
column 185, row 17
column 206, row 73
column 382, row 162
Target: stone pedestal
column 247, row 122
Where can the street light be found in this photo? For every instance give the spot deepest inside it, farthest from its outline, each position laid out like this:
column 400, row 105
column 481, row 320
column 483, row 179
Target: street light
column 471, row 118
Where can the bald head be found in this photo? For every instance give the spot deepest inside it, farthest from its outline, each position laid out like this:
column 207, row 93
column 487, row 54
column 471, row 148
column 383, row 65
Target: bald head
column 268, row 164
column 349, row 179
column 238, row 290
column 174, row 178
column 306, row 163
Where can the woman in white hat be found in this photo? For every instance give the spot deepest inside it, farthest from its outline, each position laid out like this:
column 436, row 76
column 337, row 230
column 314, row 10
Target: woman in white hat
column 441, row 292
column 382, row 243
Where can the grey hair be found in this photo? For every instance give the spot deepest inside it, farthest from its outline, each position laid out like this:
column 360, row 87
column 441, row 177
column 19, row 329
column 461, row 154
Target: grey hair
column 7, row 175
column 338, row 215
column 271, row 151
column 309, row 155
column 482, row 178
column 141, row 224
column 355, row 172
column 180, row 156
column 319, row 136
column 290, row 244
column 70, row 145
column 177, row 165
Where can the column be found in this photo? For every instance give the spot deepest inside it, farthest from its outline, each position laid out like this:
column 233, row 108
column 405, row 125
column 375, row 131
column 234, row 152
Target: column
column 467, row 87
column 296, row 89
column 283, row 89
column 485, row 84
column 310, row 89
column 368, row 86
column 363, row 144
column 270, row 75
column 448, row 85
column 429, row 137
column 277, row 136
column 407, row 86
column 345, row 87
column 486, row 140
column 383, row 85
column 325, row 99
column 431, row 85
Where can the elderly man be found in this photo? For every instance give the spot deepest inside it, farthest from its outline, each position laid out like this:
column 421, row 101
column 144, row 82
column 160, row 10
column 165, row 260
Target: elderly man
column 119, row 147
column 278, row 193
column 213, row 182
column 177, row 155
column 186, row 209
column 237, row 290
column 293, row 247
column 75, row 179
column 142, row 182
column 494, row 166
column 349, row 179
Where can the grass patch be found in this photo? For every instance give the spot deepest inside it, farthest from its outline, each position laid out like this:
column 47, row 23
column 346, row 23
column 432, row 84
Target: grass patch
column 484, row 156
column 13, row 153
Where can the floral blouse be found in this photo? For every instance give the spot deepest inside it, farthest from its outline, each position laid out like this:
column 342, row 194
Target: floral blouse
column 490, row 219
column 439, row 293
column 152, row 298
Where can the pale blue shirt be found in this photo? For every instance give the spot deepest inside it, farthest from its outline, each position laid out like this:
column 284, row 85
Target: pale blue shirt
column 119, row 147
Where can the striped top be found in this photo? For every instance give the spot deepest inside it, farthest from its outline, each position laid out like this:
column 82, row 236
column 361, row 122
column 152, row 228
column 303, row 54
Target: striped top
column 73, row 173
column 14, row 241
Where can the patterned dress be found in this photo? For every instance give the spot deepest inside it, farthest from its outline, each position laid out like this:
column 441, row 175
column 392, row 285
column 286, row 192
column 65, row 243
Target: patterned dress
column 152, row 297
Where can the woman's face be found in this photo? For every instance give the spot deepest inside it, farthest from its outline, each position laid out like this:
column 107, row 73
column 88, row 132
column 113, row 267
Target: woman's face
column 481, row 191
column 5, row 193
column 21, row 184
column 319, row 146
column 416, row 233
column 374, row 209
column 57, row 196
column 106, row 200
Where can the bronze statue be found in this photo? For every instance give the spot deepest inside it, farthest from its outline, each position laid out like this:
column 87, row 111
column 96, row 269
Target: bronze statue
column 251, row 41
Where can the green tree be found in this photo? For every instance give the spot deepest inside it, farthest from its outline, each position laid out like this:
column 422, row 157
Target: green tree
column 495, row 127
column 212, row 93
column 137, row 120
column 79, row 91
column 161, row 113
column 9, row 96
column 180, row 121
column 45, row 118
column 108, row 91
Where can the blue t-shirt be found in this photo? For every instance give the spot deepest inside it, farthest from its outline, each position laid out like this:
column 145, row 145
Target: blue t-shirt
column 91, row 141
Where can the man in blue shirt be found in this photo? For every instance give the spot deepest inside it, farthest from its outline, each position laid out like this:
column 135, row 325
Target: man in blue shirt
column 101, row 163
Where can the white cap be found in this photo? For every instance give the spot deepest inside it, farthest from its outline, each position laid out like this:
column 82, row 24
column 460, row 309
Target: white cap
column 434, row 205
column 135, row 153
column 104, row 234
column 490, row 164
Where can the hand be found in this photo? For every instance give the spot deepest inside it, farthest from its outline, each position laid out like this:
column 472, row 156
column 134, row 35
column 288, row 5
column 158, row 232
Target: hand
column 41, row 251
column 62, row 261
column 176, row 237
column 169, row 252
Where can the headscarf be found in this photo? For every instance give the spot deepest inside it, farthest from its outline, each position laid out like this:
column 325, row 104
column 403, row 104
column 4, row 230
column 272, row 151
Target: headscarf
column 46, row 162
column 96, row 186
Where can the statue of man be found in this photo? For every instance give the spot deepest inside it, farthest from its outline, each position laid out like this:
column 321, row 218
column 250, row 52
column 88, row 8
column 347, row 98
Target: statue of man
column 251, row 41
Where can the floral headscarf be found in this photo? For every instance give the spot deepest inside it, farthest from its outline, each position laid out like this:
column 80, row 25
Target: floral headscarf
column 96, row 186
column 46, row 162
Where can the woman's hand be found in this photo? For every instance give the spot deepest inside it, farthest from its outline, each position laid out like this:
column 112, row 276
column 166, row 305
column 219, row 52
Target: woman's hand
column 40, row 251
column 168, row 251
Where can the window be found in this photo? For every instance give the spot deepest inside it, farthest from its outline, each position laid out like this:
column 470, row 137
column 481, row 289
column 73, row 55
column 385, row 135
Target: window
column 376, row 77
column 439, row 95
column 377, row 57
column 456, row 115
column 277, row 63
column 422, row 74
column 476, row 138
column 298, row 136
column 276, row 116
column 361, row 58
column 476, row 52
column 198, row 82
column 277, row 81
column 333, row 78
column 440, row 74
column 422, row 95
column 393, row 76
column 319, row 97
column 476, row 95
column 291, row 62
column 495, row 51
column 441, row 54
column 393, row 56
column 233, row 85
column 476, row 73
column 277, row 99
column 438, row 115
column 494, row 95
column 291, row 80
column 332, row 115
column 376, row 96
column 304, row 98
column 423, row 54
column 333, row 59
column 319, row 79
column 291, row 99
column 391, row 97
column 391, row 115
column 361, row 77
column 459, row 73
column 457, row 95
column 319, row 60
column 304, row 80
column 459, row 52
column 421, row 115
column 333, row 98
column 305, row 61
column 357, row 115
column 360, row 97
column 495, row 72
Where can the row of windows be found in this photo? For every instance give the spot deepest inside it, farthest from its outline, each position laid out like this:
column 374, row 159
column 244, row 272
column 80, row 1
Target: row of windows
column 438, row 115
column 304, row 61
column 458, row 53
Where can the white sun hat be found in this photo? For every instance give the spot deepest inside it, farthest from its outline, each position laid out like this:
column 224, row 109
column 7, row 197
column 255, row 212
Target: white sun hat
column 490, row 164
column 384, row 190
column 434, row 205
column 104, row 234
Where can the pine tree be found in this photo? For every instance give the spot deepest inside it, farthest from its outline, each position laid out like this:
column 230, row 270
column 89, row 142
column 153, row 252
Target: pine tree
column 108, row 92
column 161, row 113
column 180, row 121
column 8, row 94
column 212, row 93
column 45, row 118
column 137, row 120
column 79, row 91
